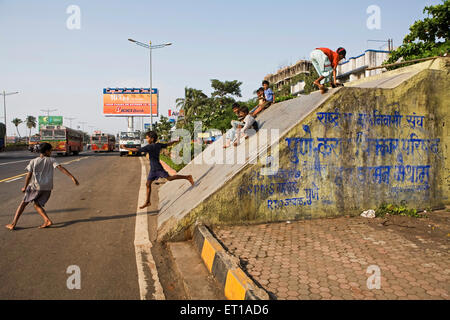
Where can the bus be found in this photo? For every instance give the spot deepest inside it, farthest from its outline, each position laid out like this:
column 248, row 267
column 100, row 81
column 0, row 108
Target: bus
column 131, row 140
column 33, row 142
column 64, row 140
column 103, row 142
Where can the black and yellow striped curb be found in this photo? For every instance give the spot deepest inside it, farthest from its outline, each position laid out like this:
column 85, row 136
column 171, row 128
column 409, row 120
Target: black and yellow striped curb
column 225, row 268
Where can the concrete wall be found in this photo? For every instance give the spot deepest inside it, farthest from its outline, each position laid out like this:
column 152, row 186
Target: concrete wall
column 362, row 147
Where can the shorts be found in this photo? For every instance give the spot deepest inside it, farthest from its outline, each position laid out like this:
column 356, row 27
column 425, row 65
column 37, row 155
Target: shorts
column 154, row 175
column 39, row 197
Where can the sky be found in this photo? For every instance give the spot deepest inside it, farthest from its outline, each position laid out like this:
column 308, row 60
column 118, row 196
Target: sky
column 54, row 67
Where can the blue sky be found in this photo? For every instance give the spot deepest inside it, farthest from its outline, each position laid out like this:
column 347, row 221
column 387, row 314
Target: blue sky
column 54, row 67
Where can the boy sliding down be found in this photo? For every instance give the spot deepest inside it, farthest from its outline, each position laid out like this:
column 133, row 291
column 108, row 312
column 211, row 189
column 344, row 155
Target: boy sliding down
column 40, row 173
column 244, row 126
column 156, row 170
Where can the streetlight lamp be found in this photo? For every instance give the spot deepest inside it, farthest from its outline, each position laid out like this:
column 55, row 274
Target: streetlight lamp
column 4, row 106
column 150, row 47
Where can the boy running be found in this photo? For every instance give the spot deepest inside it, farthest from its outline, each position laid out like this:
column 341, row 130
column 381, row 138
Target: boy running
column 40, row 173
column 156, row 170
column 325, row 61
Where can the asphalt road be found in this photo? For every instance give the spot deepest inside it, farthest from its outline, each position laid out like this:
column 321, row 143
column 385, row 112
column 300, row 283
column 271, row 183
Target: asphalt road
column 94, row 225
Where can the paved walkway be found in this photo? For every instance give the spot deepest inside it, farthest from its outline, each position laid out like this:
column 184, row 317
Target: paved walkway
column 329, row 259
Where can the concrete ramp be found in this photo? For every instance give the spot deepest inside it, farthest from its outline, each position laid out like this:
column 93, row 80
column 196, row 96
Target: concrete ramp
column 232, row 191
column 178, row 198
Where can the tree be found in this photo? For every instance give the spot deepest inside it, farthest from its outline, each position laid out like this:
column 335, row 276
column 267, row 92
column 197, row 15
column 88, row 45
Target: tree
column 16, row 122
column 31, row 123
column 428, row 37
column 163, row 128
column 222, row 89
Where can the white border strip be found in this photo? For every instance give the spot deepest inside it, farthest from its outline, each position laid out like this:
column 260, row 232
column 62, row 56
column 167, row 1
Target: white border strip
column 142, row 245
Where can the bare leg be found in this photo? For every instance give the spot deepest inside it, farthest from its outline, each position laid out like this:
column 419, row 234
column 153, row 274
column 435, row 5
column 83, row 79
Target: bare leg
column 322, row 88
column 43, row 214
column 178, row 176
column 19, row 211
column 149, row 192
column 258, row 110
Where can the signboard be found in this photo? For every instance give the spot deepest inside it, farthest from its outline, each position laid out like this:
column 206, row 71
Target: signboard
column 50, row 120
column 146, row 126
column 128, row 102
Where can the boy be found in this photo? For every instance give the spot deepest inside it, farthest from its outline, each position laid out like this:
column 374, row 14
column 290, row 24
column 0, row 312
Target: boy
column 262, row 103
column 268, row 93
column 242, row 127
column 156, row 170
column 40, row 172
column 325, row 62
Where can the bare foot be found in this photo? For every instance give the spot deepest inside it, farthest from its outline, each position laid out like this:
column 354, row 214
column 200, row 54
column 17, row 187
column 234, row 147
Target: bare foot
column 191, row 180
column 323, row 90
column 46, row 224
column 147, row 204
column 10, row 226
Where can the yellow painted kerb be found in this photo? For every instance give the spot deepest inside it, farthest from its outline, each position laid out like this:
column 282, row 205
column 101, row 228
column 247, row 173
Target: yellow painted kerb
column 208, row 254
column 235, row 285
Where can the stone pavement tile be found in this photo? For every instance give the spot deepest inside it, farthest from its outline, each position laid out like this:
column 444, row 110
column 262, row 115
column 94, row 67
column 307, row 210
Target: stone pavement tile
column 328, row 259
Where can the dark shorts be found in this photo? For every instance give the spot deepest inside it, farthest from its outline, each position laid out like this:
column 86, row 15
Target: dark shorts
column 39, row 197
column 153, row 175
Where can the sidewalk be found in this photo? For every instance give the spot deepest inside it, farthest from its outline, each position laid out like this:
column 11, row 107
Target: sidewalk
column 329, row 258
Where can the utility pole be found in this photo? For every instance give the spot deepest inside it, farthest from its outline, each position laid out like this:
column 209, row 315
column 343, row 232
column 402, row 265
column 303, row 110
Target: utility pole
column 70, row 120
column 4, row 107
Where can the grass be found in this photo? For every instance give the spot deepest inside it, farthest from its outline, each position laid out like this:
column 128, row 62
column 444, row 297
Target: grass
column 394, row 209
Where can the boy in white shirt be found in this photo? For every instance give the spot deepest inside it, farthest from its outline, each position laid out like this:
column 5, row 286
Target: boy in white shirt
column 40, row 173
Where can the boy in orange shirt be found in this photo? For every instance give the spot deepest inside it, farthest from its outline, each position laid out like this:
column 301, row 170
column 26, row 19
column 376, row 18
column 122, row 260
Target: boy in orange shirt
column 325, row 61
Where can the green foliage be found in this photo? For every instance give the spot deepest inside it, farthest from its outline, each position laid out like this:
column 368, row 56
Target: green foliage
column 394, row 209
column 428, row 37
column 16, row 122
column 163, row 127
column 170, row 163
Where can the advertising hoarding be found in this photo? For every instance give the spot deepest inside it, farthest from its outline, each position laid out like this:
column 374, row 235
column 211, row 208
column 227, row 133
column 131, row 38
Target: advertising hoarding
column 50, row 120
column 130, row 102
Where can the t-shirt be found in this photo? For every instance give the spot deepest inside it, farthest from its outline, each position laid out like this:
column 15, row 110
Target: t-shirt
column 332, row 56
column 268, row 94
column 153, row 151
column 42, row 169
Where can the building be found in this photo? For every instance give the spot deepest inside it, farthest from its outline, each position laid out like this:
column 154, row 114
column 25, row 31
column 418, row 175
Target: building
column 284, row 75
column 356, row 67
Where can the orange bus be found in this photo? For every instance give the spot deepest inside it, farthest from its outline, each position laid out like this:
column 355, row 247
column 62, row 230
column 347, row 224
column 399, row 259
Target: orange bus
column 64, row 140
column 103, row 142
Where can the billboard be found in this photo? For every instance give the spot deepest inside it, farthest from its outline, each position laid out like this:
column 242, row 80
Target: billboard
column 127, row 102
column 50, row 120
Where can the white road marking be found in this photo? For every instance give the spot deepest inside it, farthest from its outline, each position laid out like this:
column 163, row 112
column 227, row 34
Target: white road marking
column 13, row 179
column 142, row 245
column 3, row 164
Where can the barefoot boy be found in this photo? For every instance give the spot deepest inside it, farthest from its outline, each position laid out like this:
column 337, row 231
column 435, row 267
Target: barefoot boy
column 156, row 170
column 325, row 61
column 40, row 173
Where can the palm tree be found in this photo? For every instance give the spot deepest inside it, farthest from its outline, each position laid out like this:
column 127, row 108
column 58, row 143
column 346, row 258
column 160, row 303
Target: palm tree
column 16, row 122
column 31, row 123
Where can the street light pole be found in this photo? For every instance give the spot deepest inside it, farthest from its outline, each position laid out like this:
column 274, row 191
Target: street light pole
column 70, row 120
column 48, row 111
column 151, row 88
column 4, row 107
column 151, row 47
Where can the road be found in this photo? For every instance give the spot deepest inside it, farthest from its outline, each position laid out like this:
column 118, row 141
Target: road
column 94, row 229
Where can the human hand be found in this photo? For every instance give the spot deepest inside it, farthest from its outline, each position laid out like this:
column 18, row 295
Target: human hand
column 23, row 189
column 75, row 181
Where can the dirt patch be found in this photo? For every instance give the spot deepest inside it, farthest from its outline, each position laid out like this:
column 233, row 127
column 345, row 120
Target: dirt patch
column 431, row 231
